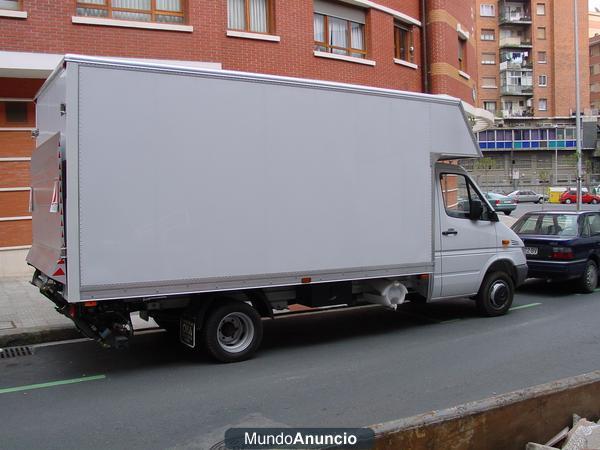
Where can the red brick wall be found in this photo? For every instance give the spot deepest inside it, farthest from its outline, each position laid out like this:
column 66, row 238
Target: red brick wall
column 48, row 29
column 595, row 79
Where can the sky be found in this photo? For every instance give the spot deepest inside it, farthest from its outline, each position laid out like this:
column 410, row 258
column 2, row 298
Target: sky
column 594, row 4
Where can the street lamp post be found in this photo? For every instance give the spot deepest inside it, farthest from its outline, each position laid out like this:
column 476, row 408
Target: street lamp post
column 578, row 103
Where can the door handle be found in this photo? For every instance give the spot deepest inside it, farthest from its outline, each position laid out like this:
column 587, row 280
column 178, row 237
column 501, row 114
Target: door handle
column 450, row 231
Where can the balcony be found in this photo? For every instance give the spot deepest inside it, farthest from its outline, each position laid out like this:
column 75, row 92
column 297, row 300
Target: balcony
column 515, row 42
column 526, row 90
column 516, row 113
column 516, row 65
column 515, row 16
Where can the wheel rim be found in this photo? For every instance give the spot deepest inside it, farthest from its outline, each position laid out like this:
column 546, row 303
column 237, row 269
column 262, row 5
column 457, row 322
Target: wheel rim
column 591, row 276
column 235, row 332
column 499, row 294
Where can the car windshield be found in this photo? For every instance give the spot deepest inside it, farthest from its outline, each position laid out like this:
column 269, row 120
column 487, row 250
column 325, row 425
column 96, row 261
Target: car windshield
column 547, row 225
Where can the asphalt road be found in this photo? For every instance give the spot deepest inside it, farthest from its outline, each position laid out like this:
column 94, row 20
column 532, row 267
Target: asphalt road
column 343, row 368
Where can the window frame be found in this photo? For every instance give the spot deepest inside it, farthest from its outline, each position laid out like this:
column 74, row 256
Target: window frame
column 349, row 51
column 18, row 8
column 542, row 61
column 246, row 29
column 488, row 62
column 462, row 54
column 545, row 83
column 491, row 7
column 399, row 28
column 493, row 102
column 472, row 192
column 538, row 33
column 153, row 11
column 545, row 104
column 492, row 34
column 489, row 86
column 537, row 9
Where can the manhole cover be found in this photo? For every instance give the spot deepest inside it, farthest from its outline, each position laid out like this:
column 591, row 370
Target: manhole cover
column 14, row 352
column 7, row 325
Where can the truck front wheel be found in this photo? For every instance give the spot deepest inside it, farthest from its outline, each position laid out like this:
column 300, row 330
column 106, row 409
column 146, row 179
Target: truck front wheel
column 232, row 331
column 495, row 295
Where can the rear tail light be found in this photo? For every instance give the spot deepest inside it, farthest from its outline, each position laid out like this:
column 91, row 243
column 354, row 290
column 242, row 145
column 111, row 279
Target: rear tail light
column 497, row 202
column 562, row 253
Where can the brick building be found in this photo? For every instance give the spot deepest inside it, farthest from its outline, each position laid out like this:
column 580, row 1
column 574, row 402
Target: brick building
column 415, row 45
column 595, row 74
column 527, row 79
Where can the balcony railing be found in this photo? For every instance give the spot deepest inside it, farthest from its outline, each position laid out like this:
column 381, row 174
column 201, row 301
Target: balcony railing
column 516, row 113
column 515, row 41
column 516, row 90
column 515, row 16
column 511, row 65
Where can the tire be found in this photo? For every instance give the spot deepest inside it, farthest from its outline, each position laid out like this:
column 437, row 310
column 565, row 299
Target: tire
column 495, row 295
column 594, row 201
column 232, row 331
column 507, row 213
column 568, row 201
column 589, row 280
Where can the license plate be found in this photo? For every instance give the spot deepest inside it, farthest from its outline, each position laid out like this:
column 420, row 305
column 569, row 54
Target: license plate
column 187, row 332
column 531, row 250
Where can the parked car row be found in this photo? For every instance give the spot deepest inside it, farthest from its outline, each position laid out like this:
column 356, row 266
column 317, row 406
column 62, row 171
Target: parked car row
column 570, row 196
column 562, row 246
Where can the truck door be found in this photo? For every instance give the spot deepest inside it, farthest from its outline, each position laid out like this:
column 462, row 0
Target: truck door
column 467, row 244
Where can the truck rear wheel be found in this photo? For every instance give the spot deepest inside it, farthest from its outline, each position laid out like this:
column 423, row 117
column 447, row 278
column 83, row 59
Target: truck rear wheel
column 495, row 295
column 232, row 331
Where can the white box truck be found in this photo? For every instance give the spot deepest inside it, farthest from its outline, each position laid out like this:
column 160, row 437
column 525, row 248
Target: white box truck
column 209, row 199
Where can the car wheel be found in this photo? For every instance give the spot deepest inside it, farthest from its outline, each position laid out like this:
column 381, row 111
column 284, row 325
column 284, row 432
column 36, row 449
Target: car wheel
column 495, row 295
column 589, row 279
column 568, row 201
column 232, row 331
column 594, row 201
column 507, row 213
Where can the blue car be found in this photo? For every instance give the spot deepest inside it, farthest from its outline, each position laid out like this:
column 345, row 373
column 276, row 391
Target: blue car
column 562, row 246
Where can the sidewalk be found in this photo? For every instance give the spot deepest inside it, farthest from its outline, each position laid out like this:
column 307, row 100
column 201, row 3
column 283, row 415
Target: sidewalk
column 27, row 317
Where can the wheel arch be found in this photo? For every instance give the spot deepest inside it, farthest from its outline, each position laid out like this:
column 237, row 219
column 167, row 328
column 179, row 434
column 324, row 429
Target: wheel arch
column 501, row 265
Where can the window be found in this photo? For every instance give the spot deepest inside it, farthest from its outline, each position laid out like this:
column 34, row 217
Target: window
column 490, row 106
column 542, row 58
column 542, row 80
column 403, row 42
column 488, row 58
column 339, row 29
column 248, row 15
column 488, row 34
column 595, row 50
column 487, row 10
column 541, row 33
column 164, row 11
column 488, row 82
column 462, row 54
column 10, row 4
column 459, row 196
column 16, row 112
column 540, row 9
column 543, row 104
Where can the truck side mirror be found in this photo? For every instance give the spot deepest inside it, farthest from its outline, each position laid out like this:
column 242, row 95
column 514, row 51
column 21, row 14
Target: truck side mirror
column 476, row 210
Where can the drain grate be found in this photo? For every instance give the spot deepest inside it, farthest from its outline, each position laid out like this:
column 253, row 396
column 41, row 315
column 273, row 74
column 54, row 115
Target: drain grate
column 14, row 352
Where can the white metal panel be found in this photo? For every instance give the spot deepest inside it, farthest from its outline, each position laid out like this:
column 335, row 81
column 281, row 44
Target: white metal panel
column 190, row 177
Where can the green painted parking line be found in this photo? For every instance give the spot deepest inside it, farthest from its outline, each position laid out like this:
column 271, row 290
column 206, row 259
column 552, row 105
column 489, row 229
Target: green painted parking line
column 531, row 305
column 51, row 384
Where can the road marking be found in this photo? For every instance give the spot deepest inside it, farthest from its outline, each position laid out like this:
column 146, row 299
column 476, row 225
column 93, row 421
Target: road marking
column 531, row 305
column 51, row 384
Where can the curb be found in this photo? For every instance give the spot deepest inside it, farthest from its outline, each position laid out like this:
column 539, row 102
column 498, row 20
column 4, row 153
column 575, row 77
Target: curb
column 38, row 335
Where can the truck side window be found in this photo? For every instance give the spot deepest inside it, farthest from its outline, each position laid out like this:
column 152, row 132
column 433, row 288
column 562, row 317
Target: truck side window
column 458, row 194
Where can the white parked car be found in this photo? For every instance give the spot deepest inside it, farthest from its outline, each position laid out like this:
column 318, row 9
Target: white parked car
column 526, row 196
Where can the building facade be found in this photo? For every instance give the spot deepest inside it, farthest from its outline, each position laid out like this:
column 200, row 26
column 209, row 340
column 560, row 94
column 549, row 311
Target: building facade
column 414, row 45
column 527, row 79
column 595, row 74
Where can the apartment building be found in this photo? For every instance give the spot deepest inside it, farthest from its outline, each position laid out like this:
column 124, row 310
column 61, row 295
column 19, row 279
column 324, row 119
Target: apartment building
column 526, row 62
column 595, row 74
column 414, row 45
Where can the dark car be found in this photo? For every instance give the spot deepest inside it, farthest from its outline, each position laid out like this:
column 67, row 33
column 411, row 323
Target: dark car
column 562, row 245
column 501, row 203
column 570, row 196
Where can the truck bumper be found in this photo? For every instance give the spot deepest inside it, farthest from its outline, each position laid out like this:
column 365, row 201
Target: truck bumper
column 522, row 272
